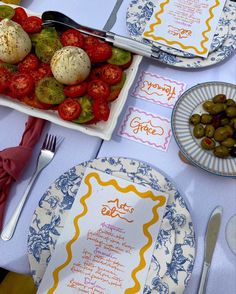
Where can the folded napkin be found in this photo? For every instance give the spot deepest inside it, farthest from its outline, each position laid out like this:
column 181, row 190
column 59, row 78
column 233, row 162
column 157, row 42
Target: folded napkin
column 14, row 160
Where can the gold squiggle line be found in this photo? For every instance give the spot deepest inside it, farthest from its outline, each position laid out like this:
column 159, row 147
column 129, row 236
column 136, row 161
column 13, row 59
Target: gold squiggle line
column 70, row 243
column 142, row 262
column 113, row 182
column 158, row 21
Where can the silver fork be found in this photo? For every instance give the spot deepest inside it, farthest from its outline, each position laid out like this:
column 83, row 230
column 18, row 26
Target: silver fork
column 46, row 155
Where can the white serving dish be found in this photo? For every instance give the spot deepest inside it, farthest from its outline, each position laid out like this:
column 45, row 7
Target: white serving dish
column 102, row 130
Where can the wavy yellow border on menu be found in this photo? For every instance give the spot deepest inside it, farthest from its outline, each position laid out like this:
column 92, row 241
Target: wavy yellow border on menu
column 129, row 188
column 205, row 38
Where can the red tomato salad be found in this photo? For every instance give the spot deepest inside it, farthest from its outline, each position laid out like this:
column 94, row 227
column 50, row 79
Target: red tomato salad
column 74, row 74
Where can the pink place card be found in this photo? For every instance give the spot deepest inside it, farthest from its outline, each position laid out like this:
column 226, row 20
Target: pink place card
column 158, row 89
column 146, row 128
column 106, row 247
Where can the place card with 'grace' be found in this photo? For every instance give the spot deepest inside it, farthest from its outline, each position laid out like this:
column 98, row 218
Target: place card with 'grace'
column 106, row 247
column 146, row 128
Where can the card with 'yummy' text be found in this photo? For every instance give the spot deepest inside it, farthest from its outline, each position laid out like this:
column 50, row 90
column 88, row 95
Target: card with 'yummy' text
column 158, row 89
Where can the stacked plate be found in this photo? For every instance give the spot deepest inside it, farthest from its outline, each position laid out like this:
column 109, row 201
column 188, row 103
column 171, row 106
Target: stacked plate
column 174, row 254
column 223, row 45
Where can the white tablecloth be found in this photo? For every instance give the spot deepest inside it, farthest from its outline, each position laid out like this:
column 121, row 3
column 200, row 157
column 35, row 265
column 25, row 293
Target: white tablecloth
column 202, row 191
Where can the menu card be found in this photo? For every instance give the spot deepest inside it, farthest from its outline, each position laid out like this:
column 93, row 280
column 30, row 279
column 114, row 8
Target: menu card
column 187, row 25
column 108, row 239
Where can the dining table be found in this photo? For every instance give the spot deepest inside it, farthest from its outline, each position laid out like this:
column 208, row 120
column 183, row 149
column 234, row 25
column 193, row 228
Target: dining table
column 202, row 191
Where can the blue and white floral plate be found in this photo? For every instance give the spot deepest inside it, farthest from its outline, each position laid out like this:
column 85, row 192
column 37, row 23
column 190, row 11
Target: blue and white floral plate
column 174, row 254
column 223, row 44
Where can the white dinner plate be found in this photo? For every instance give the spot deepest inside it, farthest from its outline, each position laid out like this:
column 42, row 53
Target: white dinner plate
column 190, row 102
column 223, row 46
column 102, row 130
column 174, row 253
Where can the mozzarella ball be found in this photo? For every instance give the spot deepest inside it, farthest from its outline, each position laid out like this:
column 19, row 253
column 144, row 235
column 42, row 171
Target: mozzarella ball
column 15, row 43
column 70, row 65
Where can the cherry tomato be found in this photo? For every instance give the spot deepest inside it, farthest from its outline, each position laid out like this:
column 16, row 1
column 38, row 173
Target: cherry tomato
column 101, row 110
column 98, row 90
column 96, row 73
column 72, row 37
column 113, row 95
column 115, row 89
column 29, row 63
column 127, row 65
column 5, row 76
column 90, row 42
column 32, row 101
column 20, row 15
column 44, row 70
column 32, row 24
column 76, row 90
column 21, row 84
column 69, row 109
column 100, row 53
column 111, row 74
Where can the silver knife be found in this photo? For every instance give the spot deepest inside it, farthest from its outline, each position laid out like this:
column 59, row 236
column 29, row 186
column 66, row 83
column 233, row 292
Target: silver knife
column 213, row 228
column 60, row 20
column 113, row 16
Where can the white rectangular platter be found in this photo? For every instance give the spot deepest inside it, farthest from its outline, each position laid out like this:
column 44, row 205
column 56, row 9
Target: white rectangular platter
column 102, row 130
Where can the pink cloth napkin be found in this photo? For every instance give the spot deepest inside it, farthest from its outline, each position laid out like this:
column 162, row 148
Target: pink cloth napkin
column 14, row 160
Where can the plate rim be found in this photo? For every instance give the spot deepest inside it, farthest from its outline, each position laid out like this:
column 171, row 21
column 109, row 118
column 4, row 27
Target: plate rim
column 173, row 116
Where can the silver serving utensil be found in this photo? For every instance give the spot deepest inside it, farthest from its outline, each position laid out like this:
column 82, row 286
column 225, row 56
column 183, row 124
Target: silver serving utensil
column 62, row 21
column 213, row 228
column 113, row 16
column 46, row 155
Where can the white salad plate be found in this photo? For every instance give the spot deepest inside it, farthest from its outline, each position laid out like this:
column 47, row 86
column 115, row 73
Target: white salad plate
column 174, row 254
column 223, row 45
column 102, row 130
column 190, row 102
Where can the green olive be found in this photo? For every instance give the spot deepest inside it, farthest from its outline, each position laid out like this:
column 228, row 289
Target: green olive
column 220, row 98
column 224, row 121
column 221, row 134
column 195, row 119
column 208, row 143
column 209, row 131
column 231, row 111
column 206, row 118
column 230, row 102
column 208, row 104
column 232, row 123
column 229, row 130
column 198, row 131
column 228, row 142
column 217, row 108
column 221, row 151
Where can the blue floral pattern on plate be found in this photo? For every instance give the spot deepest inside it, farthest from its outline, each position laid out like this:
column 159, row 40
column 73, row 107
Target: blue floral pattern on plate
column 223, row 44
column 173, row 257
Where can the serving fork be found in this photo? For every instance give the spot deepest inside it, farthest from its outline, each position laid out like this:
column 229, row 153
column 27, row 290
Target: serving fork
column 45, row 156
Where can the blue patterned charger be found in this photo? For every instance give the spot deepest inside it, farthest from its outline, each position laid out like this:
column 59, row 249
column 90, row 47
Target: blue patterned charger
column 223, row 44
column 190, row 103
column 173, row 257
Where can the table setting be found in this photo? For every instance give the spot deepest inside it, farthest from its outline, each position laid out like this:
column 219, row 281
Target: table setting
column 69, row 187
